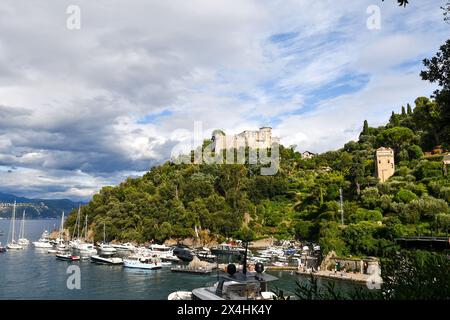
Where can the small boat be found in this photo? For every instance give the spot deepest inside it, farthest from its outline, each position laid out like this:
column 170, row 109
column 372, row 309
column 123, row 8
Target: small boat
column 52, row 251
column 148, row 263
column 44, row 241
column 2, row 249
column 67, row 257
column 106, row 260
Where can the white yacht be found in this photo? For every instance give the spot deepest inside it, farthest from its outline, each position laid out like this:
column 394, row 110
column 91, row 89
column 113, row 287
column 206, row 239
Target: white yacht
column 148, row 263
column 163, row 252
column 44, row 241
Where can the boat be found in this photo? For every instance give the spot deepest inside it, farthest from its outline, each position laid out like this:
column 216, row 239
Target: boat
column 148, row 263
column 124, row 247
column 13, row 244
column 104, row 247
column 81, row 246
column 233, row 285
column 163, row 252
column 2, row 249
column 106, row 260
column 22, row 240
column 183, row 253
column 205, row 254
column 227, row 249
column 67, row 256
column 52, row 251
column 43, row 241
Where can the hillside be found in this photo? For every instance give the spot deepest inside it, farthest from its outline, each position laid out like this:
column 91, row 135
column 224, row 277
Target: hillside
column 35, row 208
column 302, row 199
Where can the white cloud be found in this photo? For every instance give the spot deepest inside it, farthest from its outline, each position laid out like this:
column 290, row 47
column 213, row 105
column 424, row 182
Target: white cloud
column 72, row 102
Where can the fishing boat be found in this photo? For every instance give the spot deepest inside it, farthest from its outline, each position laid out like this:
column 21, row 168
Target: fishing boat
column 43, row 241
column 106, row 260
column 13, row 244
column 67, row 257
column 22, row 240
column 148, row 263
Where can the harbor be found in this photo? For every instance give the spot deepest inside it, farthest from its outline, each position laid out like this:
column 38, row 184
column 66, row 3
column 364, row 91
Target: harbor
column 33, row 273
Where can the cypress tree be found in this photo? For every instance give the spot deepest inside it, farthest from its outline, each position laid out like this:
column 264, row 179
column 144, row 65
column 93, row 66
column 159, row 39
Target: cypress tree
column 409, row 109
column 403, row 111
column 365, row 128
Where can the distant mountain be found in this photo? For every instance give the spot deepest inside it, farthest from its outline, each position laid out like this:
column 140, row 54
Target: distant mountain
column 35, row 208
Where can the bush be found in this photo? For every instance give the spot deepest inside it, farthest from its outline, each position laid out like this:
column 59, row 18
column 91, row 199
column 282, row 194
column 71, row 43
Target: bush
column 405, row 196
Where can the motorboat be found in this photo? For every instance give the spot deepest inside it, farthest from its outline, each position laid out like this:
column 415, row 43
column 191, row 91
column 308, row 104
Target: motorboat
column 227, row 249
column 106, row 260
column 86, row 249
column 205, row 254
column 67, row 257
column 232, row 286
column 124, row 247
column 43, row 241
column 148, row 263
column 183, row 253
column 106, row 249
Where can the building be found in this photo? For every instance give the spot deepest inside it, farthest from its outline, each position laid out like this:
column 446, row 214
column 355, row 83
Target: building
column 251, row 139
column 308, row 155
column 385, row 163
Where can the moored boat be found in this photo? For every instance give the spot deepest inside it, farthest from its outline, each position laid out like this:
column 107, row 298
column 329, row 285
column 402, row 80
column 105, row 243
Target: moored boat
column 43, row 241
column 106, row 260
column 148, row 263
column 67, row 257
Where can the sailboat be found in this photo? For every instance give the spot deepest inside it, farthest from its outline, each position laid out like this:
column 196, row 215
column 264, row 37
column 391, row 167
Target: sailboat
column 75, row 241
column 105, row 248
column 22, row 240
column 60, row 241
column 13, row 245
column 82, row 246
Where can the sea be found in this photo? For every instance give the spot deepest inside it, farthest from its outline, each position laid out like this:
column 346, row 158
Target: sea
column 34, row 274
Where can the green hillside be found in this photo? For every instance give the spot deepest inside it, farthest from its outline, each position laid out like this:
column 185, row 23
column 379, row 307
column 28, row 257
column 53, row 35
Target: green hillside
column 302, row 199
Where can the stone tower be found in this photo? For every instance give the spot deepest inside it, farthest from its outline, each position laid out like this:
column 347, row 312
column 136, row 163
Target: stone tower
column 385, row 163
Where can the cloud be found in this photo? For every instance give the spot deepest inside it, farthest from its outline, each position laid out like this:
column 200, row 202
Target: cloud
column 85, row 108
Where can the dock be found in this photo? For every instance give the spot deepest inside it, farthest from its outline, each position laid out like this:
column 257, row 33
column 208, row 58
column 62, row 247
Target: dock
column 187, row 269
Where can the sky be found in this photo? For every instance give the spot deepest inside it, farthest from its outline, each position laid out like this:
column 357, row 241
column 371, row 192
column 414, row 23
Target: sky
column 85, row 108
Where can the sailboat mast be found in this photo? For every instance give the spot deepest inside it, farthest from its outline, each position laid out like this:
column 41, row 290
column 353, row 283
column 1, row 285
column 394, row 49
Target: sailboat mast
column 104, row 233
column 79, row 220
column 61, row 228
column 13, row 221
column 22, row 227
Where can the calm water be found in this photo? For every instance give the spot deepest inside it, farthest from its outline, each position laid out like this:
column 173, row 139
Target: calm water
column 35, row 274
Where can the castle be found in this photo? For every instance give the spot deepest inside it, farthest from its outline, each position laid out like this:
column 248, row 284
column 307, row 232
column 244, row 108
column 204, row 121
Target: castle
column 252, row 139
column 385, row 163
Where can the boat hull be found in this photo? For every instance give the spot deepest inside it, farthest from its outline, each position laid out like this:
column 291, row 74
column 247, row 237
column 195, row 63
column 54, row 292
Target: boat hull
column 140, row 265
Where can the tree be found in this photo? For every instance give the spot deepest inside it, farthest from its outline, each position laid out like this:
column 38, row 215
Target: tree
column 365, row 128
column 438, row 67
column 409, row 109
column 398, row 137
